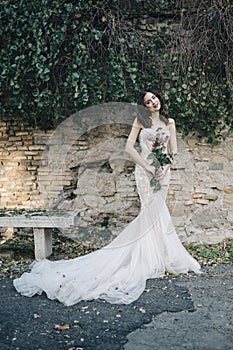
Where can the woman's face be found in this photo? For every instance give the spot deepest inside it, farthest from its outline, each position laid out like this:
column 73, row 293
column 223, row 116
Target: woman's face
column 152, row 102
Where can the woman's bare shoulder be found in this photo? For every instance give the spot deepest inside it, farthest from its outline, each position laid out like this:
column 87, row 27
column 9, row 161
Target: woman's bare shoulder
column 171, row 124
column 171, row 121
column 136, row 123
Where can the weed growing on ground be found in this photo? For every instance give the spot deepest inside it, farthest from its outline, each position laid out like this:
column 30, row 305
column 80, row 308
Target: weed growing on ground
column 17, row 253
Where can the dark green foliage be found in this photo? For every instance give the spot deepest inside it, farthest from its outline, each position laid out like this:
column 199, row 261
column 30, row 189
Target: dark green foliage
column 202, row 84
column 58, row 57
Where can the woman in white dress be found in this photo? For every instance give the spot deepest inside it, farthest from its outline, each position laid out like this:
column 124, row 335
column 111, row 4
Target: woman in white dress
column 147, row 248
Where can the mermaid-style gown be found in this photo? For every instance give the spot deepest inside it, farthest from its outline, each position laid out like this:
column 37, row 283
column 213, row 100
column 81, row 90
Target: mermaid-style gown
column 117, row 273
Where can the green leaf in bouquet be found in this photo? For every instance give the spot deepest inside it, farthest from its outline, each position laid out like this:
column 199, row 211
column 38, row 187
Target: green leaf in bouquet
column 151, row 156
column 156, row 163
column 165, row 161
column 153, row 181
column 159, row 152
column 155, row 184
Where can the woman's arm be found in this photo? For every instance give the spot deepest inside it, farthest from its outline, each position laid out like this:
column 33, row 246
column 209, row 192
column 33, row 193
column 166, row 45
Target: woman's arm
column 173, row 141
column 129, row 148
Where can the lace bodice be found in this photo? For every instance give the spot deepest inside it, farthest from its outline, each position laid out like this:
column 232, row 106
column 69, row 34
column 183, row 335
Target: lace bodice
column 147, row 137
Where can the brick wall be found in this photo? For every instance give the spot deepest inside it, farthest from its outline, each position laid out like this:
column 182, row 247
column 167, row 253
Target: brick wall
column 21, row 149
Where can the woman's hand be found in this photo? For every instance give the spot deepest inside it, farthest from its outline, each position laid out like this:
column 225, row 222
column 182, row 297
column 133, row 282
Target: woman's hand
column 161, row 172
column 150, row 169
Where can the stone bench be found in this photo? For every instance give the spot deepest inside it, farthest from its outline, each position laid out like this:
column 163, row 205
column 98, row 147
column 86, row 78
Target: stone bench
column 42, row 223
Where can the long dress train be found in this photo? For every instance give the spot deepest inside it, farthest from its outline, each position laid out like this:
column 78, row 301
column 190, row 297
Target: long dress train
column 117, row 273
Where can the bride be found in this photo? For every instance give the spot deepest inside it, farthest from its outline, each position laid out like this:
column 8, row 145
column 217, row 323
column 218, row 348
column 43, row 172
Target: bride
column 147, row 248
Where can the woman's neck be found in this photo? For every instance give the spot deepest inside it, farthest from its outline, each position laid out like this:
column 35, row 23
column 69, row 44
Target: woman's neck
column 155, row 116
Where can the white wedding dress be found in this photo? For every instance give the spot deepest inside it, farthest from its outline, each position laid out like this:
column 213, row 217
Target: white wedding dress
column 117, row 273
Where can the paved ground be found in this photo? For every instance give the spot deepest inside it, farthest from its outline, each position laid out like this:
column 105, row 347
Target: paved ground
column 208, row 327
column 193, row 312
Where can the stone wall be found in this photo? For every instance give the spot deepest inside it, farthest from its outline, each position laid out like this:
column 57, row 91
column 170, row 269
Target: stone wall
column 96, row 177
column 201, row 196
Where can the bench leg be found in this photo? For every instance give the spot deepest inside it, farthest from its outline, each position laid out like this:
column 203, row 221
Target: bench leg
column 42, row 242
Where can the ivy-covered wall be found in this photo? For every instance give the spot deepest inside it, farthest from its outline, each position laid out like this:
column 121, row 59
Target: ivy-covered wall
column 58, row 57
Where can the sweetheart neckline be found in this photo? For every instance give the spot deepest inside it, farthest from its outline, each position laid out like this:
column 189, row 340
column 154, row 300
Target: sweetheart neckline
column 163, row 130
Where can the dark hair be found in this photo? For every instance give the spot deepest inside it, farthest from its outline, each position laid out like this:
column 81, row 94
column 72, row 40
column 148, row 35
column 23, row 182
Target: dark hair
column 144, row 114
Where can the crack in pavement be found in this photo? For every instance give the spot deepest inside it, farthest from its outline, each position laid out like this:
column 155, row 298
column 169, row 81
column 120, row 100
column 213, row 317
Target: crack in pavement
column 208, row 328
column 28, row 323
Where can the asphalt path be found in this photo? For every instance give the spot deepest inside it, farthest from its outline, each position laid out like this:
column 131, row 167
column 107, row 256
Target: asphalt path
column 185, row 312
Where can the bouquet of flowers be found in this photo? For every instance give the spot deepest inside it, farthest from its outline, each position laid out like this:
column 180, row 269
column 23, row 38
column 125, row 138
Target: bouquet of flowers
column 159, row 156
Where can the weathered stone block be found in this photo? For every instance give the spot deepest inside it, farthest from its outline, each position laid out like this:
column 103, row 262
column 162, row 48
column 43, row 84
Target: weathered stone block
column 12, row 148
column 219, row 159
column 35, row 147
column 187, row 189
column 15, row 138
column 210, row 197
column 228, row 190
column 202, row 201
column 197, row 195
column 188, row 203
column 200, row 190
column 31, row 153
column 171, row 193
column 215, row 166
column 21, row 133
column 175, row 187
